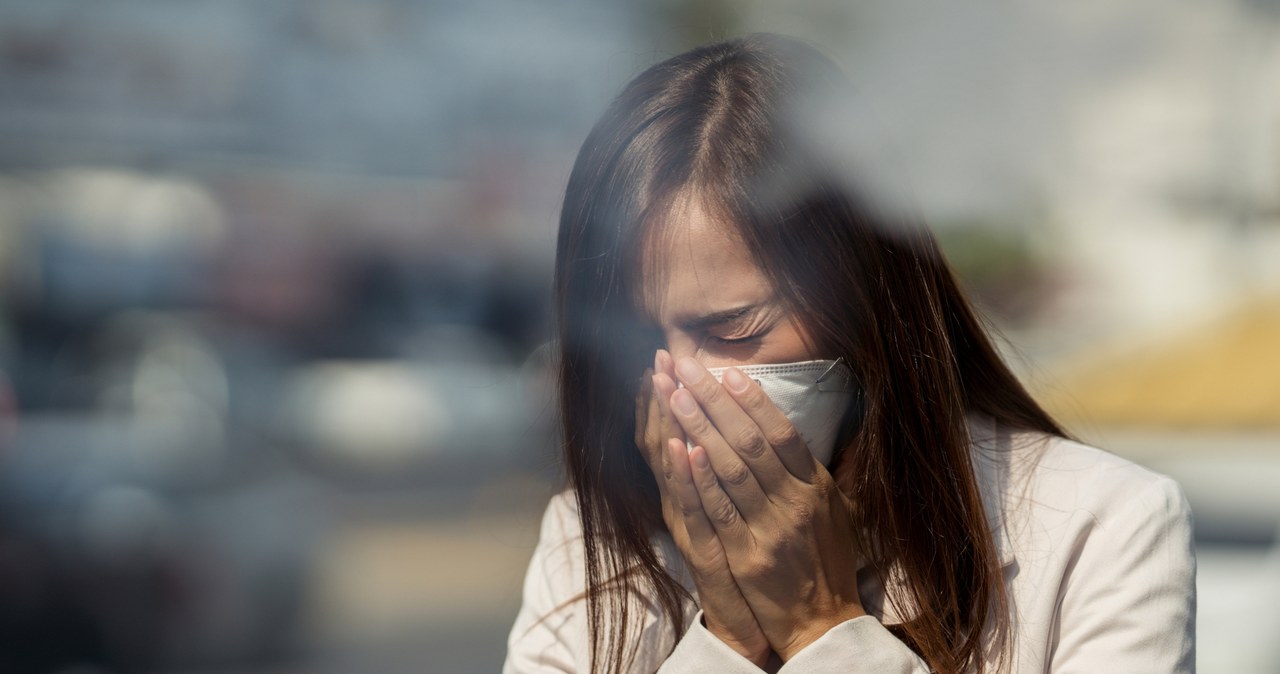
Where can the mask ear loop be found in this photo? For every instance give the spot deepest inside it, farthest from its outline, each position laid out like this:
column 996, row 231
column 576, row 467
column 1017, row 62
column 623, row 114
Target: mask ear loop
column 833, row 373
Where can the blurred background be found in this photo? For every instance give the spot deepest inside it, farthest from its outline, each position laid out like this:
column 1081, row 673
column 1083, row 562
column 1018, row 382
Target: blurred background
column 274, row 278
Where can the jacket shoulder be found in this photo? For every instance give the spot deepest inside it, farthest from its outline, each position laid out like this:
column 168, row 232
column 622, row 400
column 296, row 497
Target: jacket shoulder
column 1062, row 489
column 1069, row 472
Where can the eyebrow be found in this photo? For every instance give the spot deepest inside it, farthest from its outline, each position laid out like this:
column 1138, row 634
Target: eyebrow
column 719, row 318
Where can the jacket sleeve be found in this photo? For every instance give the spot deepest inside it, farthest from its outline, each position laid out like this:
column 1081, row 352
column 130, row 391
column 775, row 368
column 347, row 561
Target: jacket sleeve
column 1128, row 599
column 701, row 651
column 854, row 647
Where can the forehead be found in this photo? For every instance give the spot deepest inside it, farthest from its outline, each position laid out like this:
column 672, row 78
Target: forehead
column 694, row 263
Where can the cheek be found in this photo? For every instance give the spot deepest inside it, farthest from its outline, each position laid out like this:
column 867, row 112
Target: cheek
column 790, row 344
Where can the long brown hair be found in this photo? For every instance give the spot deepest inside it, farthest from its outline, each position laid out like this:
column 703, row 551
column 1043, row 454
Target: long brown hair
column 869, row 286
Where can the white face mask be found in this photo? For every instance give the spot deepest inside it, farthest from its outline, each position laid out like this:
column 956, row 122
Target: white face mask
column 814, row 395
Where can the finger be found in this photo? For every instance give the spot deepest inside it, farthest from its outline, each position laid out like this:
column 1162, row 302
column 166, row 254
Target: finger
column 653, row 434
column 671, row 514
column 667, row 386
column 653, row 437
column 719, row 509
column 734, row 474
column 667, row 430
column 663, row 387
column 778, row 430
column 739, row 431
column 718, row 591
column 644, row 415
column 664, row 363
column 682, row 488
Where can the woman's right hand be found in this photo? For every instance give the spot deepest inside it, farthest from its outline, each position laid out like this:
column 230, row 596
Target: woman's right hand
column 657, row 433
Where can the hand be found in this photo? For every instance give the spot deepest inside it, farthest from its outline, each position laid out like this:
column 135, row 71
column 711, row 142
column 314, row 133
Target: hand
column 786, row 530
column 657, row 434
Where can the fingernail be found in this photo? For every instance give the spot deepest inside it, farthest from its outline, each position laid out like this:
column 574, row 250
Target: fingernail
column 657, row 360
column 689, row 370
column 700, row 457
column 735, row 380
column 683, row 401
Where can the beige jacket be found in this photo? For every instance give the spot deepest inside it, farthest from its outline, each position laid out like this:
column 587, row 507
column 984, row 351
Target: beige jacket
column 1098, row 567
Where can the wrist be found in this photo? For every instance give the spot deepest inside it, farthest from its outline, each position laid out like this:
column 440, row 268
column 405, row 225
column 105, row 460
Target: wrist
column 814, row 629
column 756, row 653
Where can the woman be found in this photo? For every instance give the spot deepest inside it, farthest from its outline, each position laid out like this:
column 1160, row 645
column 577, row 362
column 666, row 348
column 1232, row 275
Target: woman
column 938, row 521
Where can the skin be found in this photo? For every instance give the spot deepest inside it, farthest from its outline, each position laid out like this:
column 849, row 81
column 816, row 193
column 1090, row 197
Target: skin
column 758, row 520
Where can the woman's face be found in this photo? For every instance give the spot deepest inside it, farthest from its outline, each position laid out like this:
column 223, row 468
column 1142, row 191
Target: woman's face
column 711, row 302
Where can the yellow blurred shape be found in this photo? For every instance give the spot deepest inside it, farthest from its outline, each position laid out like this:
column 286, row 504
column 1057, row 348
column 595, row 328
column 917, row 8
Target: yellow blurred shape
column 387, row 578
column 1223, row 375
column 379, row 580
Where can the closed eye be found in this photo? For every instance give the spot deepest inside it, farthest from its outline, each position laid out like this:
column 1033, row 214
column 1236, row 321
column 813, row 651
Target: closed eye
column 735, row 340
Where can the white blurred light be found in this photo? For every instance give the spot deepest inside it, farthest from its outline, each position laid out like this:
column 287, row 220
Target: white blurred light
column 131, row 212
column 176, row 371
column 371, row 413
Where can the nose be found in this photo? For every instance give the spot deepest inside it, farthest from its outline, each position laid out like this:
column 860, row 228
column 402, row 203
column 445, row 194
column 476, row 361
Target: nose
column 681, row 345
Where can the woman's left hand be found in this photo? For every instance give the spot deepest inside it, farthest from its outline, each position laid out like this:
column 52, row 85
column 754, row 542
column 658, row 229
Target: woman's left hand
column 787, row 531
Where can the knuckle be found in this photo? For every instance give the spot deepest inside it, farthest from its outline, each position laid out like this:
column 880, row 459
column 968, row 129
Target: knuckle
column 803, row 512
column 706, row 481
column 823, row 487
column 750, row 443
column 724, row 513
column 802, row 506
column 736, row 474
column 754, row 399
column 775, row 547
column 711, row 557
column 711, row 572
column 668, row 475
column 782, row 433
column 710, row 392
column 700, row 427
column 756, row 402
column 761, row 566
